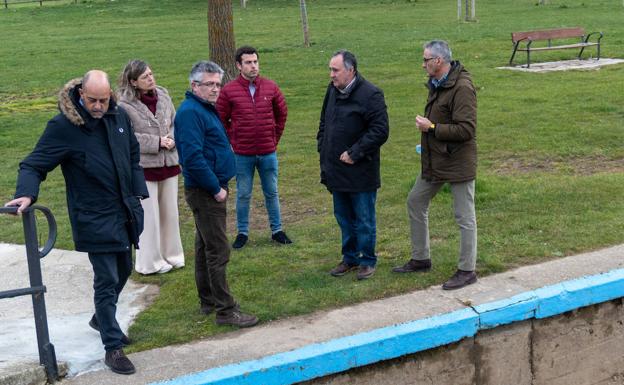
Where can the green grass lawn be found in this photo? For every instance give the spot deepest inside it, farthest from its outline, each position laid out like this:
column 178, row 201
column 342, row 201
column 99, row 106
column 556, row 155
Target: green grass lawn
column 551, row 158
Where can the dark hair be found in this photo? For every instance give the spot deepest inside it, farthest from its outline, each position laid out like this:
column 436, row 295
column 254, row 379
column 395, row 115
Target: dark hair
column 245, row 50
column 348, row 59
column 131, row 71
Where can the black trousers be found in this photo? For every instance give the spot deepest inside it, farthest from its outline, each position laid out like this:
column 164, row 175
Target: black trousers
column 212, row 251
column 110, row 274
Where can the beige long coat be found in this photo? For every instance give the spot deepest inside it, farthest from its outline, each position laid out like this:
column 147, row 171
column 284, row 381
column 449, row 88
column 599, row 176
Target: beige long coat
column 149, row 128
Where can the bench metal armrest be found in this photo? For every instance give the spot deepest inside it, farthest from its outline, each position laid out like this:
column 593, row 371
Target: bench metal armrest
column 593, row 33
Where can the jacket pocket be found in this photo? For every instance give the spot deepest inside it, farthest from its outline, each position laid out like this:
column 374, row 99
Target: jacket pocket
column 134, row 224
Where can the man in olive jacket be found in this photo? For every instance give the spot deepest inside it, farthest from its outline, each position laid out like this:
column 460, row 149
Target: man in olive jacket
column 449, row 155
column 353, row 126
column 93, row 142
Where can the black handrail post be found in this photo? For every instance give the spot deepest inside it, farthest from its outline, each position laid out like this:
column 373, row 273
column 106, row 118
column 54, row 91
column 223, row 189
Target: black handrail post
column 47, row 355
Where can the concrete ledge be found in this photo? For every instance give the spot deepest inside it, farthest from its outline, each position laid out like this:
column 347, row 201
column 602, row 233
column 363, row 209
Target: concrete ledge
column 386, row 343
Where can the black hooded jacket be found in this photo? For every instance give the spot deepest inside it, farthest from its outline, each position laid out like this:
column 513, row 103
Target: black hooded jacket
column 99, row 159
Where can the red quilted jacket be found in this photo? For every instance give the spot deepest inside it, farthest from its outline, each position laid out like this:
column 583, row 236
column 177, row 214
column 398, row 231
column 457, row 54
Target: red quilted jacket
column 254, row 126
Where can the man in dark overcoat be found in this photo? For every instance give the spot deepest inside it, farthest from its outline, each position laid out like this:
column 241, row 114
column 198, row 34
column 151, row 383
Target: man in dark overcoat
column 353, row 127
column 93, row 142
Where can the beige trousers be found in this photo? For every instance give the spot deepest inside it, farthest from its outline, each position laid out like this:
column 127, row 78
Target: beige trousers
column 160, row 242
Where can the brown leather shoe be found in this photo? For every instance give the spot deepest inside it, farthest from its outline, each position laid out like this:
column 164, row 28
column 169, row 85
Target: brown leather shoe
column 365, row 272
column 237, row 318
column 117, row 361
column 460, row 279
column 414, row 266
column 342, row 269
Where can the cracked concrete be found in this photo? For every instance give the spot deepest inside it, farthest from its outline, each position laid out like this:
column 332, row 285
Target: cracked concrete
column 68, row 278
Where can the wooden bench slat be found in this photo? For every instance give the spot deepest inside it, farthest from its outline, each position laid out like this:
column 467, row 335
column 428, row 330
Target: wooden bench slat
column 562, row 33
column 579, row 45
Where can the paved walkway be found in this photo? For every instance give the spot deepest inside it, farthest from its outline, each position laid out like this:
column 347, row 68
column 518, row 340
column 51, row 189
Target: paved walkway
column 564, row 65
column 69, row 302
column 292, row 333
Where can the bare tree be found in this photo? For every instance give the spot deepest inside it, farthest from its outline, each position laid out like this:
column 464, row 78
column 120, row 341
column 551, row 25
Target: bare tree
column 304, row 22
column 221, row 36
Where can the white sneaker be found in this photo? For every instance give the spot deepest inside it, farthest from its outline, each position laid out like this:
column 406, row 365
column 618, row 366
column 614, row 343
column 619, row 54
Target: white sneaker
column 165, row 269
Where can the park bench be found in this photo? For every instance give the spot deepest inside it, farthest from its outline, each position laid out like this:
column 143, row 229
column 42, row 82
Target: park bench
column 527, row 38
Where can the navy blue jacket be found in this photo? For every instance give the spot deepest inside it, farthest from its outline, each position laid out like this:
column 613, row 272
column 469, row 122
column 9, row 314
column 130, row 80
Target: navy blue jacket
column 99, row 159
column 205, row 153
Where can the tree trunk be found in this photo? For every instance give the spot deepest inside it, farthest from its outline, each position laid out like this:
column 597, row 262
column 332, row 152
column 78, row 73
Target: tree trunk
column 459, row 9
column 304, row 23
column 221, row 36
column 243, row 3
column 470, row 10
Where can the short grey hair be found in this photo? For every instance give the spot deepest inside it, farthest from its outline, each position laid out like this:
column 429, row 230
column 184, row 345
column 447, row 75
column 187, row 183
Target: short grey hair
column 439, row 48
column 202, row 67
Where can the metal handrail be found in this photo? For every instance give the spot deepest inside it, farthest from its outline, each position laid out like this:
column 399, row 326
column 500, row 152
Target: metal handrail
column 47, row 356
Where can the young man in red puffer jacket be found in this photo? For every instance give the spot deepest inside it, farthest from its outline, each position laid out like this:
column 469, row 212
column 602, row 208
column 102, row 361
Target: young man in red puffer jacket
column 253, row 111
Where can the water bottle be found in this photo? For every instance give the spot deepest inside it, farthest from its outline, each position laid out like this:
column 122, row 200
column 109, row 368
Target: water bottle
column 418, row 149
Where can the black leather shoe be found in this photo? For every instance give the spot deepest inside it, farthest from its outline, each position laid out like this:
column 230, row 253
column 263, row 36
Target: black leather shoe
column 237, row 318
column 281, row 237
column 460, row 279
column 118, row 362
column 365, row 272
column 240, row 241
column 342, row 269
column 414, row 266
column 125, row 340
column 206, row 309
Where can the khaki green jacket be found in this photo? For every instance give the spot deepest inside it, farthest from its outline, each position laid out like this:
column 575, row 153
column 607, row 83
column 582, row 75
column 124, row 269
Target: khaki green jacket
column 449, row 152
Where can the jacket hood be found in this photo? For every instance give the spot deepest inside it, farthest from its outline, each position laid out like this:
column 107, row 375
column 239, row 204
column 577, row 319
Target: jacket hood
column 69, row 102
column 131, row 98
column 457, row 69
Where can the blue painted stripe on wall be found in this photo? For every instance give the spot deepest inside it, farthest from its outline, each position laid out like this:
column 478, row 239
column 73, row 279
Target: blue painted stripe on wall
column 343, row 353
column 517, row 308
column 390, row 342
column 574, row 294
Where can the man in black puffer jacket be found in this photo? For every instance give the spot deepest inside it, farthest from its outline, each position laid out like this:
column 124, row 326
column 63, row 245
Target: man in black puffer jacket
column 353, row 126
column 94, row 143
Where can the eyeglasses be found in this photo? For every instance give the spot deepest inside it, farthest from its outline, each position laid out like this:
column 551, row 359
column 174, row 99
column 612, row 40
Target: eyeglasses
column 209, row 84
column 426, row 59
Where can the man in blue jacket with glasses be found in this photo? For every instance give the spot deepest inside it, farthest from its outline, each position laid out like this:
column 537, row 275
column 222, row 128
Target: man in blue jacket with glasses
column 208, row 164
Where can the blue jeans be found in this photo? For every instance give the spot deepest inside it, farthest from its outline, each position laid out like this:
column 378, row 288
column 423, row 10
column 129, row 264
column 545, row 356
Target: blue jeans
column 246, row 166
column 355, row 214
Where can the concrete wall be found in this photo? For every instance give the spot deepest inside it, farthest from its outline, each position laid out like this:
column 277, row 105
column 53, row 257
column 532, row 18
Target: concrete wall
column 580, row 347
column 568, row 333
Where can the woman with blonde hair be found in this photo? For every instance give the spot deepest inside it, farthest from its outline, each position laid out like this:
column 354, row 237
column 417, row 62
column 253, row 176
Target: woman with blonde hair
column 152, row 113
